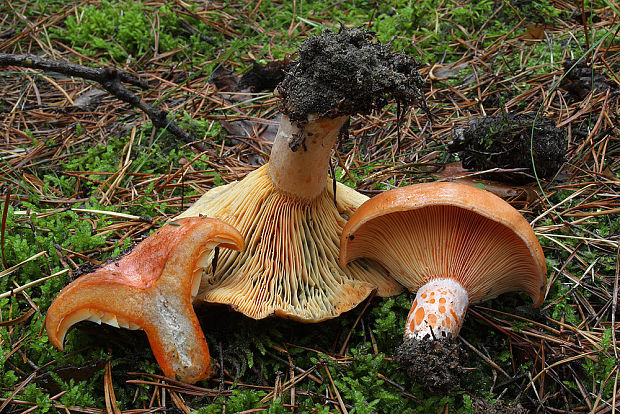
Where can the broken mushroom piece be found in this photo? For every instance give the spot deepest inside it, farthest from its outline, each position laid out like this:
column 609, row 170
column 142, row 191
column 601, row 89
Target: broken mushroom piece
column 287, row 210
column 151, row 288
column 454, row 244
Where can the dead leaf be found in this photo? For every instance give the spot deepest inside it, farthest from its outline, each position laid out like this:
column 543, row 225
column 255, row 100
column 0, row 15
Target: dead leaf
column 535, row 31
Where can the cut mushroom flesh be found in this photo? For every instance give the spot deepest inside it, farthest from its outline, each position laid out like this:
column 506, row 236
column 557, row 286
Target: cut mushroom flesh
column 151, row 288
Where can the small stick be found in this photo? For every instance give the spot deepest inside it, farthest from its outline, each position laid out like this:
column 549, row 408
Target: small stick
column 332, row 169
column 30, row 284
column 17, row 390
column 614, row 305
column 346, row 341
column 17, row 266
column 338, row 397
column 110, row 79
column 398, row 121
column 5, row 211
column 398, row 387
column 291, row 368
column 486, row 359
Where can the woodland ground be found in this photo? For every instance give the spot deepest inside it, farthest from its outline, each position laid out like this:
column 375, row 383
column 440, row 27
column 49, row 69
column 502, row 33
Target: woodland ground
column 84, row 175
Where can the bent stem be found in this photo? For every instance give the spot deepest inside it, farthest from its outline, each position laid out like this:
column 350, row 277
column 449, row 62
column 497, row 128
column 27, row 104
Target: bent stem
column 438, row 310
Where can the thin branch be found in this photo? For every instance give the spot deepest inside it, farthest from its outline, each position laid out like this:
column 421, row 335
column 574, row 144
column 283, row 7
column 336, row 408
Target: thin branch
column 111, row 80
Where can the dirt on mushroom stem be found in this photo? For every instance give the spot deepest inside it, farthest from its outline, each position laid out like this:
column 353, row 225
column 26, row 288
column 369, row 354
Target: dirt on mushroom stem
column 435, row 365
column 430, row 353
column 347, row 73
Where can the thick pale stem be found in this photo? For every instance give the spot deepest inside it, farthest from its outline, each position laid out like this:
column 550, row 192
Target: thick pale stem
column 303, row 173
column 438, row 310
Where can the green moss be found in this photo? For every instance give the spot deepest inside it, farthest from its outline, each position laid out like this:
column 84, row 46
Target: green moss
column 123, row 32
column 126, row 30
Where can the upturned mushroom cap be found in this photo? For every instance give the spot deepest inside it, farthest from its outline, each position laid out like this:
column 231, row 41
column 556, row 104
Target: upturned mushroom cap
column 289, row 267
column 448, row 230
column 151, row 288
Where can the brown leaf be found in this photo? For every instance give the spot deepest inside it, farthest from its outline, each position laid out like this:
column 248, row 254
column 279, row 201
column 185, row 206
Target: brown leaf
column 535, row 31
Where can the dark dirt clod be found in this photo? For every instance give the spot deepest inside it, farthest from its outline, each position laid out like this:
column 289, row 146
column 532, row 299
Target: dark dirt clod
column 503, row 141
column 224, row 79
column 347, row 73
column 481, row 406
column 433, row 364
column 263, row 77
column 581, row 79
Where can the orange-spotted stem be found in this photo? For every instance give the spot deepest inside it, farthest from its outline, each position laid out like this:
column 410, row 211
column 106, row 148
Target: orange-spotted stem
column 438, row 310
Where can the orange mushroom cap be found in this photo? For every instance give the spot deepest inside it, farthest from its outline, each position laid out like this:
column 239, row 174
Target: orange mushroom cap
column 151, row 288
column 448, row 230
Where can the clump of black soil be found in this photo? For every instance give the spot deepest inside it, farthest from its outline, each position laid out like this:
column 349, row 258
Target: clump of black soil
column 432, row 364
column 263, row 77
column 347, row 73
column 510, row 141
column 480, row 406
column 580, row 79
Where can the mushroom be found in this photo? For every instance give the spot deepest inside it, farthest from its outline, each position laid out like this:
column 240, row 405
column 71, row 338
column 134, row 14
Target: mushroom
column 454, row 244
column 289, row 212
column 151, row 288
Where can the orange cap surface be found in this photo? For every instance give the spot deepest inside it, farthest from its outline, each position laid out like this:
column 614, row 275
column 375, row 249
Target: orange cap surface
column 151, row 288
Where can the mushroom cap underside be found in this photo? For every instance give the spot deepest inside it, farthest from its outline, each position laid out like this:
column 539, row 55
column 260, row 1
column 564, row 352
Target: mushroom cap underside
column 447, row 229
column 151, row 288
column 289, row 267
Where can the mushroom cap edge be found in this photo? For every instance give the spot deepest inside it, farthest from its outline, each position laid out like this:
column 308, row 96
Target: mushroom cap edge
column 444, row 193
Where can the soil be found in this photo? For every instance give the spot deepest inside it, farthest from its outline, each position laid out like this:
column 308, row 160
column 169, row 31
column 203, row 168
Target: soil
column 504, row 141
column 433, row 364
column 263, row 77
column 259, row 78
column 480, row 406
column 582, row 79
column 347, row 73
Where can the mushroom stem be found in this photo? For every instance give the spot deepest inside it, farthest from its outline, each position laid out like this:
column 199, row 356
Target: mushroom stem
column 302, row 172
column 438, row 310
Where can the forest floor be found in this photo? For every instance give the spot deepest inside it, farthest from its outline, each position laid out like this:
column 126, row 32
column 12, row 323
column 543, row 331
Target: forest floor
column 85, row 175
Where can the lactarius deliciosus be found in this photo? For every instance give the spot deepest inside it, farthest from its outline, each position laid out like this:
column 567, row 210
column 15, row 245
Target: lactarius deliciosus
column 287, row 210
column 454, row 245
column 151, row 288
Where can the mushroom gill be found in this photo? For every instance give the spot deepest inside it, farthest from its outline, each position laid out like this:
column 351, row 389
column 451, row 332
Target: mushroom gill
column 453, row 244
column 290, row 265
